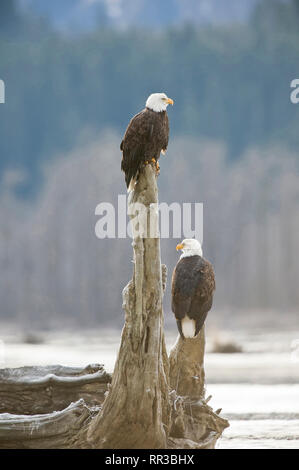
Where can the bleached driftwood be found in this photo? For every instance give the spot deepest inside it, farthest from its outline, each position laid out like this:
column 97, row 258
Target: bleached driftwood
column 152, row 401
column 33, row 390
column 49, row 407
column 192, row 418
column 59, row 429
column 136, row 411
column 186, row 359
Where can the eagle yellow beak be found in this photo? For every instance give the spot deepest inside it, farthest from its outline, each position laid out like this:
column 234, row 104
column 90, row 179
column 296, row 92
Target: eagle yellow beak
column 169, row 101
column 180, row 246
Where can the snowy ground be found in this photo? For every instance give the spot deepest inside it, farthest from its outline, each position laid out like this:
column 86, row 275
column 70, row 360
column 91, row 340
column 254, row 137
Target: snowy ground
column 258, row 389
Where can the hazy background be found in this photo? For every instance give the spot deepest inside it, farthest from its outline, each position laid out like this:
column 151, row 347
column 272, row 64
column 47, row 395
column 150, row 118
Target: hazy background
column 75, row 72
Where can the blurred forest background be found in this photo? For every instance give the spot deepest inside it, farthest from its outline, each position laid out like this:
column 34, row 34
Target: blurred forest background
column 75, row 72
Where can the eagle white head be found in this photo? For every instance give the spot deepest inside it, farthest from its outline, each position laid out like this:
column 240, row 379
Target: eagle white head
column 158, row 102
column 190, row 247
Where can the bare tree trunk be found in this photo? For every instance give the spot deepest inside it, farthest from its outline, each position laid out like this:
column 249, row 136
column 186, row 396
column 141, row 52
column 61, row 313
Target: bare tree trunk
column 186, row 359
column 194, row 422
column 136, row 410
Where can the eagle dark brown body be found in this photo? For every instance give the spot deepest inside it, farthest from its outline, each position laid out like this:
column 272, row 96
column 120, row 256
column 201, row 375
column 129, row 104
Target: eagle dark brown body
column 146, row 135
column 193, row 285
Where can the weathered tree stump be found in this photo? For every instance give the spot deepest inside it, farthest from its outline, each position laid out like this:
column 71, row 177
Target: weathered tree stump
column 136, row 411
column 186, row 359
column 192, row 418
column 152, row 401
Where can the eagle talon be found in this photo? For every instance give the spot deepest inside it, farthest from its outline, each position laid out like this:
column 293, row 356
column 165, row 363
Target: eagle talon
column 157, row 168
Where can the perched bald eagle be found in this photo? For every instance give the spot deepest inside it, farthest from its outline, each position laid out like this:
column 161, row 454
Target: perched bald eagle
column 193, row 285
column 145, row 138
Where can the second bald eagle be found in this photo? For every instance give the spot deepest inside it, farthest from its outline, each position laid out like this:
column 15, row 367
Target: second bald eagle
column 193, row 285
column 145, row 138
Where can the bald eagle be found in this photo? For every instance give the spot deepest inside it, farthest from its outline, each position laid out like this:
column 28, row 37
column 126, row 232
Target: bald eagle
column 145, row 138
column 193, row 285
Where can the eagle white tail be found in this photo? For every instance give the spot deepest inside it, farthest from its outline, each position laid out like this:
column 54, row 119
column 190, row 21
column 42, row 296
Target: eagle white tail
column 188, row 327
column 132, row 184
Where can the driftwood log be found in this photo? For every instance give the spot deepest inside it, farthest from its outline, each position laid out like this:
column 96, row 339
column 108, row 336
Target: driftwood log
column 36, row 390
column 152, row 401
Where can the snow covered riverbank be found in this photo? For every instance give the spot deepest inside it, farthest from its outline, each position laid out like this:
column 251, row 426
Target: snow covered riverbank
column 258, row 390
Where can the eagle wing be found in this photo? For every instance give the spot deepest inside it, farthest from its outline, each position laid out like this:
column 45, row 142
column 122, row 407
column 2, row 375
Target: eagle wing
column 193, row 285
column 134, row 144
column 166, row 135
